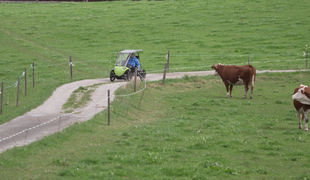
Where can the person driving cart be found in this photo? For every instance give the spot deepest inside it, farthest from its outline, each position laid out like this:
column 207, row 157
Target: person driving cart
column 126, row 62
column 134, row 62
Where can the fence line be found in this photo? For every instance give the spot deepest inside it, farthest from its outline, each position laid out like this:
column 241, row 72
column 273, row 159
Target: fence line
column 154, row 71
column 16, row 83
column 240, row 55
column 51, row 120
column 76, row 111
column 160, row 70
column 187, row 55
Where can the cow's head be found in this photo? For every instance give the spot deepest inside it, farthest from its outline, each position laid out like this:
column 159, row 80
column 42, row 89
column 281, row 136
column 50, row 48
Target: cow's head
column 302, row 94
column 215, row 67
column 300, row 86
column 306, row 91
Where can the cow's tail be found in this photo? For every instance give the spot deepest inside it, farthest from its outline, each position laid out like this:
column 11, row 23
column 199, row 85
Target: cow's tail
column 252, row 80
column 253, row 74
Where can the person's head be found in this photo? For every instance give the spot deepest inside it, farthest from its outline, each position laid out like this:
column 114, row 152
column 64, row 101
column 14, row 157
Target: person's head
column 133, row 55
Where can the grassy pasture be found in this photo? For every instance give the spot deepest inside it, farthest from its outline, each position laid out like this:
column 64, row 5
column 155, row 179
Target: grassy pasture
column 186, row 129
column 274, row 34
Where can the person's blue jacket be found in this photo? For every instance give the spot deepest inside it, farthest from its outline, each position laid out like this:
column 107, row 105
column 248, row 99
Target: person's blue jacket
column 134, row 61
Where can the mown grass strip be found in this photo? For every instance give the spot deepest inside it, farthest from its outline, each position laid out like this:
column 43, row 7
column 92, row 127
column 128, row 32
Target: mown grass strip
column 79, row 98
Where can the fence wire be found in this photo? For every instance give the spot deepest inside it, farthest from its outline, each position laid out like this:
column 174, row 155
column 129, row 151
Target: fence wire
column 77, row 63
column 74, row 112
column 124, row 95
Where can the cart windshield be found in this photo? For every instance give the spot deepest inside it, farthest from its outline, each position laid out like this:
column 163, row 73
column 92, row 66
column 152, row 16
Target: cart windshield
column 121, row 59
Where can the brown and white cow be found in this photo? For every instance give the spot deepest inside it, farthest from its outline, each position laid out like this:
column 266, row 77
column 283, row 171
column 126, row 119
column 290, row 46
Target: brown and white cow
column 302, row 104
column 236, row 75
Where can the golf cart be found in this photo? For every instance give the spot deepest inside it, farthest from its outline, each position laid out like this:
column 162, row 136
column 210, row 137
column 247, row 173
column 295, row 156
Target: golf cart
column 122, row 70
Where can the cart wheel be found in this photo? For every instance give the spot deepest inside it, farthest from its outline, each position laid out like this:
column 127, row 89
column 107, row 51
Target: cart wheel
column 129, row 75
column 112, row 76
column 142, row 75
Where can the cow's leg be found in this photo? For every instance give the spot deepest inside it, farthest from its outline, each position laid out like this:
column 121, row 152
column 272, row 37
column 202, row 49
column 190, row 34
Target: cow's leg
column 299, row 119
column 231, row 88
column 227, row 88
column 306, row 121
column 246, row 88
column 252, row 87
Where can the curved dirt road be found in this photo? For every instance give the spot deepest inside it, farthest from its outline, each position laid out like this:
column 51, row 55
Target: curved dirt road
column 48, row 119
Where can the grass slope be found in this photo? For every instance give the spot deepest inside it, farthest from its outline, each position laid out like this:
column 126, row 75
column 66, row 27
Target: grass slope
column 274, row 34
column 186, row 129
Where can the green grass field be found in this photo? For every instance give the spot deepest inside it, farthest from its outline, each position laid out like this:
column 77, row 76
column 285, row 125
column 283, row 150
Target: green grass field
column 187, row 129
column 273, row 34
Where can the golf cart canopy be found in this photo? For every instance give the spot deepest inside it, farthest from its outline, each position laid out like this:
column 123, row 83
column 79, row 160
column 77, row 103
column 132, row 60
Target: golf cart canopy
column 127, row 51
column 124, row 55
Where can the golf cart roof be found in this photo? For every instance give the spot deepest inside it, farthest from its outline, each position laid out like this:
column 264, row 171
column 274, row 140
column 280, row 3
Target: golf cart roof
column 130, row 51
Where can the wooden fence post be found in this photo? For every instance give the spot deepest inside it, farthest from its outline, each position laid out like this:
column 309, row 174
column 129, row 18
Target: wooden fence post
column 141, row 98
column 135, row 85
column 70, row 66
column 25, row 139
column 32, row 74
column 307, row 58
column 1, row 98
column 168, row 61
column 25, row 81
column 108, row 107
column 58, row 128
column 164, row 77
column 18, row 83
